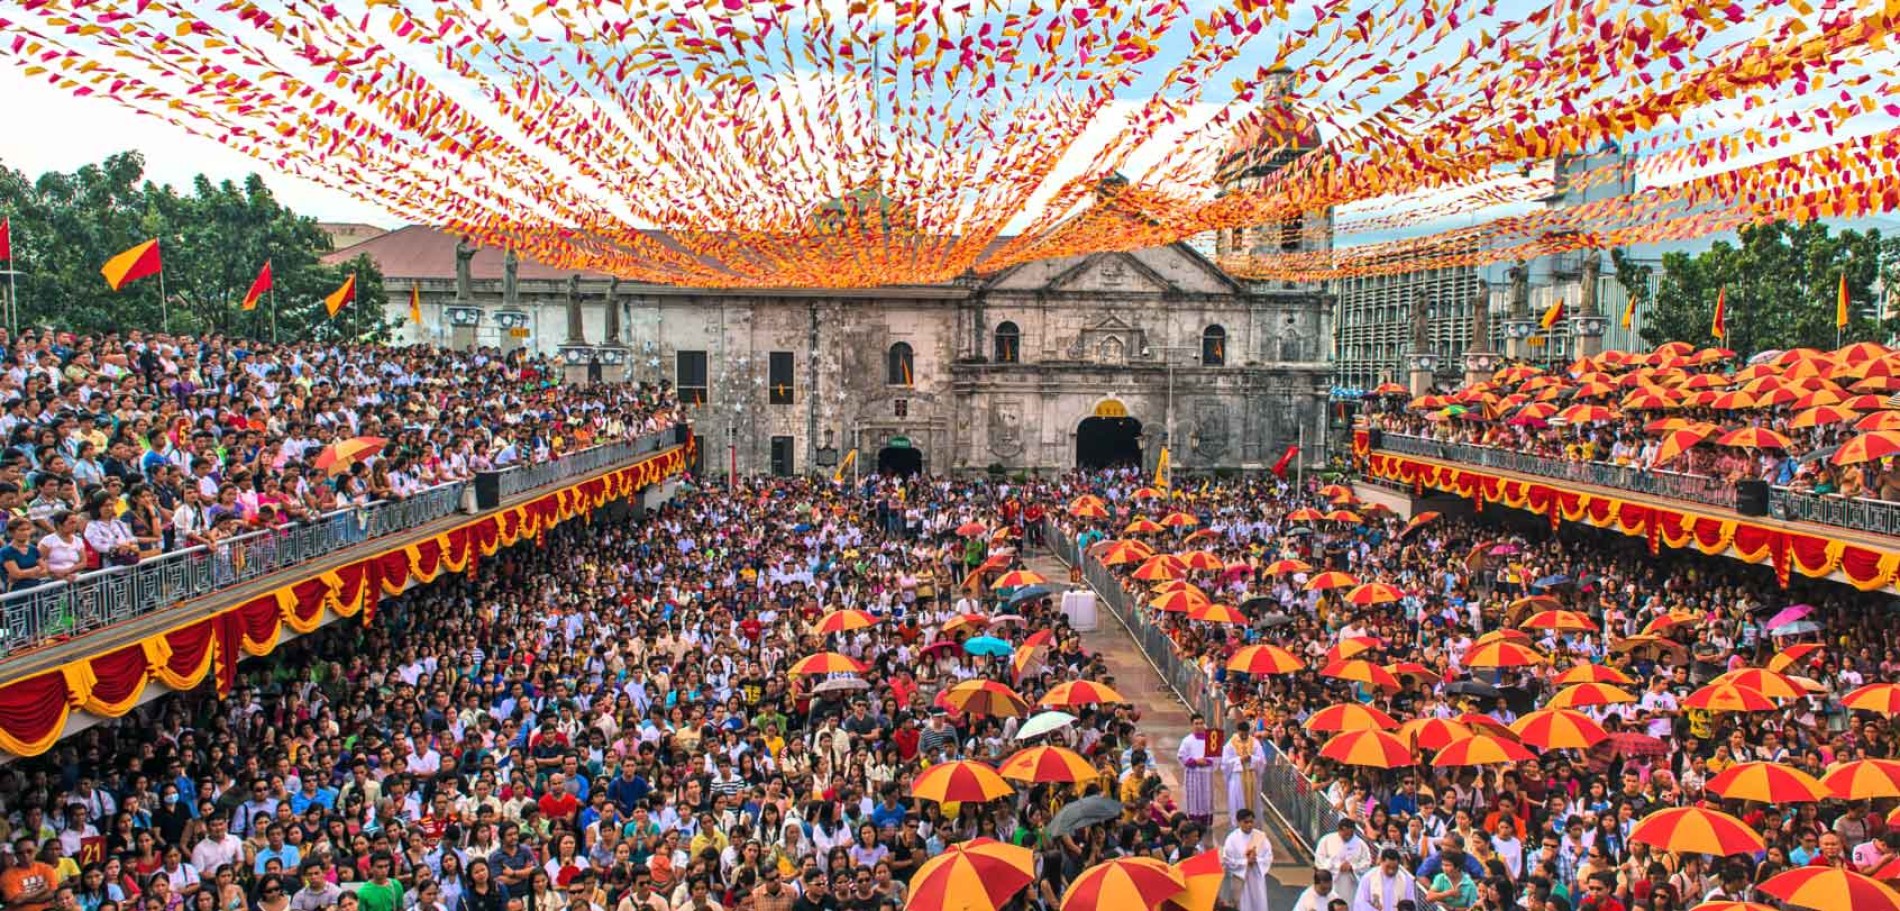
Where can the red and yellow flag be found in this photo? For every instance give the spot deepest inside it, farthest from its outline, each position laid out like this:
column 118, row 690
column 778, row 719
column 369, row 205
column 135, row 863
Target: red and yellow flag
column 1718, row 326
column 132, row 265
column 415, row 303
column 259, row 287
column 1840, row 305
column 341, row 297
column 6, row 240
column 1553, row 316
column 1629, row 312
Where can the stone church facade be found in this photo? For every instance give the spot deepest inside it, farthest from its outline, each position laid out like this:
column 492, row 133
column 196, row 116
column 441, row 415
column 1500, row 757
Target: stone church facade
column 1042, row 366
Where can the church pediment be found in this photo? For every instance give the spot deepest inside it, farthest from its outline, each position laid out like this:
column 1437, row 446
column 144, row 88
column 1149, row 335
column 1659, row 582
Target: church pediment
column 1171, row 269
column 1112, row 273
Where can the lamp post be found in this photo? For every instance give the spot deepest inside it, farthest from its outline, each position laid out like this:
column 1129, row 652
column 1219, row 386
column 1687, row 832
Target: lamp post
column 1167, row 424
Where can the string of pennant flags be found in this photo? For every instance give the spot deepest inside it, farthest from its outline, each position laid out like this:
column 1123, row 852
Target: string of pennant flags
column 831, row 143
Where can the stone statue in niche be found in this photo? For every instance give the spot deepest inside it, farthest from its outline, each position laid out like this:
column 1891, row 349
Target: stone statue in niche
column 511, row 278
column 574, row 331
column 1591, row 277
column 1210, row 429
column 1421, row 324
column 464, row 277
column 1520, row 277
column 1480, row 320
column 613, row 311
column 1006, row 427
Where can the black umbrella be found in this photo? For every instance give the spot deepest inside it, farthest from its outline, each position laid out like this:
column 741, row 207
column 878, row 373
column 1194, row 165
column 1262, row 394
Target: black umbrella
column 1029, row 591
column 1474, row 688
column 1083, row 813
column 1273, row 620
column 1259, row 602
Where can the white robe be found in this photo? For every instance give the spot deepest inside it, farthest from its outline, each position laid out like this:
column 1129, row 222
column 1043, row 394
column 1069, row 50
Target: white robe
column 1252, row 895
column 1234, row 766
column 1310, row 900
column 1197, row 777
column 1332, row 851
column 1377, row 892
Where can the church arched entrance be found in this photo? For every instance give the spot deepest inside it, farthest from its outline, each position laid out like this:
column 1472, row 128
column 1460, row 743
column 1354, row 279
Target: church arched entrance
column 900, row 458
column 1107, row 443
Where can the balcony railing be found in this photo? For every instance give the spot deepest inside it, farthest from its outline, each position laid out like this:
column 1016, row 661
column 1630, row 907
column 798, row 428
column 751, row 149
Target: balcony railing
column 101, row 598
column 1878, row 517
column 1672, row 485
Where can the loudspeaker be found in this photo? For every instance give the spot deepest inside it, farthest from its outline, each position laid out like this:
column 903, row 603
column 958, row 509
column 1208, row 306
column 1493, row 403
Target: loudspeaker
column 1751, row 498
column 487, row 490
column 1375, row 437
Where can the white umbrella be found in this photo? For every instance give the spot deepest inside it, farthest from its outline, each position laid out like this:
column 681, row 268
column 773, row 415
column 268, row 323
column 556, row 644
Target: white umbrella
column 1045, row 723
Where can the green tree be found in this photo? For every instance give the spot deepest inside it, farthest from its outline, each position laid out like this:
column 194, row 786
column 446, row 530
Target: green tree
column 1781, row 281
column 213, row 240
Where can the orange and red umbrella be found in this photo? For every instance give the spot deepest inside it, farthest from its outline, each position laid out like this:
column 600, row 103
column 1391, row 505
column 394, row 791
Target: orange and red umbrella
column 1371, row 593
column 1864, row 779
column 1754, row 438
column 1344, row 516
column 1048, row 763
column 1264, row 659
column 337, row 457
column 1329, row 580
column 1694, row 830
column 1201, row 560
column 1360, row 671
column 1578, row 695
column 1349, row 716
column 1766, row 682
column 1123, row 884
column 981, row 874
column 1481, row 749
column 1592, row 673
column 1160, row 568
column 1203, row 875
column 985, row 697
column 1792, row 655
column 1079, row 693
column 1433, row 733
column 1286, row 567
column 1148, row 493
column 972, row 529
column 1371, row 748
column 1217, row 613
column 1830, row 888
column 960, row 781
column 1559, row 729
column 1179, row 520
column 1351, row 647
column 1116, row 553
column 1305, row 514
column 1567, row 620
column 1729, row 697
column 844, row 621
column 1503, row 653
column 1868, row 447
column 1179, row 602
column 1875, row 697
column 1018, row 578
column 827, row 663
column 961, row 621
column 1768, row 782
column 1142, row 527
column 1676, row 442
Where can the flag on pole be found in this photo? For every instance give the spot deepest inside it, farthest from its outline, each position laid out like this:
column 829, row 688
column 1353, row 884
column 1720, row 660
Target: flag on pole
column 1161, row 469
column 1286, row 458
column 1840, row 305
column 132, row 265
column 341, row 297
column 6, row 240
column 1718, row 326
column 1553, row 316
column 415, row 303
column 837, row 477
column 1629, row 313
column 260, row 286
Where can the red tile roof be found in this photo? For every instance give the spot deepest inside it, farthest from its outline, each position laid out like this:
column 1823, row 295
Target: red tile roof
column 422, row 252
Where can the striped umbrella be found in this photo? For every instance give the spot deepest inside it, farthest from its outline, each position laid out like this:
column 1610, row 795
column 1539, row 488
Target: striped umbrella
column 1823, row 415
column 1116, row 553
column 337, row 457
column 981, row 874
column 1203, row 875
column 1179, row 585
column 1676, row 442
column 1578, row 695
column 1768, row 683
column 1019, row 578
column 1768, row 782
column 1371, row 593
column 1050, row 763
column 1503, row 653
column 1351, row 647
column 1201, row 559
column 1123, row 884
column 1432, row 733
column 1792, row 655
column 1344, row 516
column 1360, row 671
column 1305, row 514
column 1729, row 697
column 1286, row 567
column 1079, row 693
column 1694, row 830
column 1327, row 581
column 1147, row 493
column 1593, row 673
column 1217, row 613
column 1480, row 749
column 1371, row 748
column 1563, row 620
column 1160, row 568
column 1480, row 723
column 1864, row 779
column 1871, row 446
column 1875, row 697
column 1412, row 670
column 1558, row 729
column 1506, row 634
column 986, row 697
column 826, row 663
column 972, row 529
column 1143, row 526
column 1179, row 520
column 1830, row 888
column 1754, row 438
column 1179, row 602
column 1349, row 716
column 1335, row 490
column 1264, row 659
column 960, row 621
column 960, row 781
column 844, row 621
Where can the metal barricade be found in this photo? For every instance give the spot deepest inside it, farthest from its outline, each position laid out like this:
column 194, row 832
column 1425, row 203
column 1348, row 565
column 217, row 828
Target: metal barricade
column 1880, row 517
column 103, row 597
column 1674, row 485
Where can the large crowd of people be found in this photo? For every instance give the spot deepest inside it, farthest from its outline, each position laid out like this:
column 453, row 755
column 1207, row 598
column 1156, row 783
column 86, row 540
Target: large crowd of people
column 1621, row 409
column 1552, row 831
column 118, row 448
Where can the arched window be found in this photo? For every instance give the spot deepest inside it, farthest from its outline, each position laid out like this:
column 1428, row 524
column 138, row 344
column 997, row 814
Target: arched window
column 1214, row 347
column 1009, row 343
column 901, row 366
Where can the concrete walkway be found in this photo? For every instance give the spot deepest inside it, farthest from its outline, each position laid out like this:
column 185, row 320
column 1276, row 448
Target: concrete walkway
column 1165, row 719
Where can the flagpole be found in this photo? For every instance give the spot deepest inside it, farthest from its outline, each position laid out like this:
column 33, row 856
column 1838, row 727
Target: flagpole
column 273, row 307
column 164, row 305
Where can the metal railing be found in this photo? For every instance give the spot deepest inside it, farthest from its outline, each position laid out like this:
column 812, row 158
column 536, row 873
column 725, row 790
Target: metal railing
column 1298, row 801
column 101, row 598
column 1673, row 485
column 1879, row 517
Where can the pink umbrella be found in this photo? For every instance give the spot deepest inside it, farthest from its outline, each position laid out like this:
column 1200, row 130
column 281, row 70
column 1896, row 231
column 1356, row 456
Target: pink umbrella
column 938, row 646
column 1504, row 550
column 1789, row 614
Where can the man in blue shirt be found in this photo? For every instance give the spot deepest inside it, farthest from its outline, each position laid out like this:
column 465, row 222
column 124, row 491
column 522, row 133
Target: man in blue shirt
column 629, row 788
